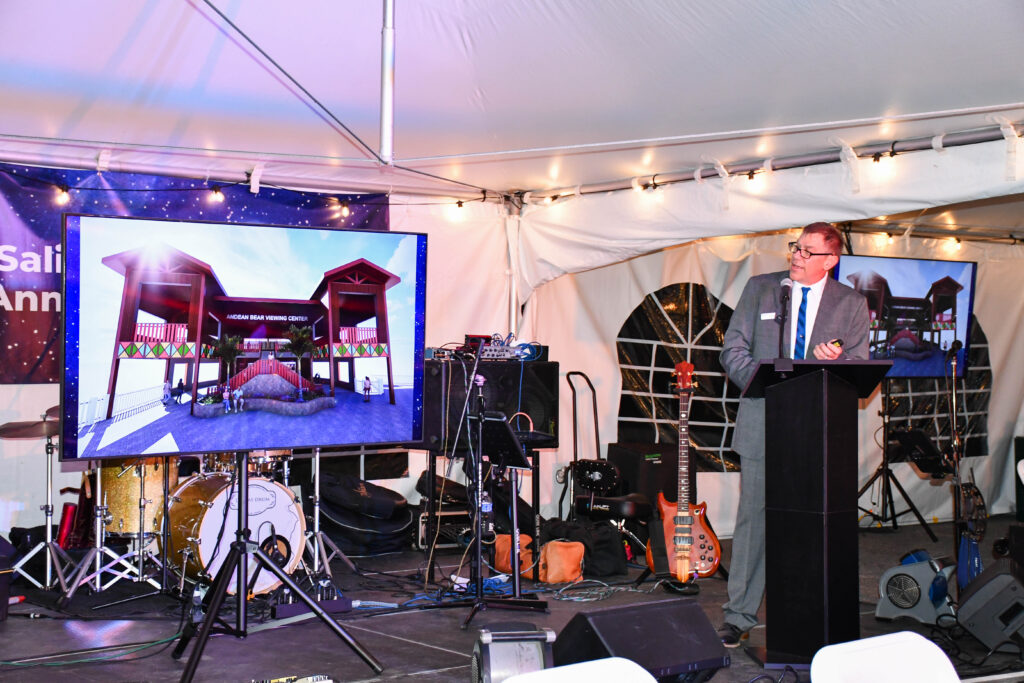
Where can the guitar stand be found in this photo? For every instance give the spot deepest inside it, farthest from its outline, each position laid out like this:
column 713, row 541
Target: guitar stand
column 659, row 554
column 237, row 562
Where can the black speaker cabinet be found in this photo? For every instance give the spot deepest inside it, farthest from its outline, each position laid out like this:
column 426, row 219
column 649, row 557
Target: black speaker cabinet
column 672, row 639
column 509, row 387
column 650, row 468
column 992, row 606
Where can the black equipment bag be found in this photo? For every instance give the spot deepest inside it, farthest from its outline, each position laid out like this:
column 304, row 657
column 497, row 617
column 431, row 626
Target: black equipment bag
column 361, row 535
column 366, row 498
column 603, row 552
column 454, row 492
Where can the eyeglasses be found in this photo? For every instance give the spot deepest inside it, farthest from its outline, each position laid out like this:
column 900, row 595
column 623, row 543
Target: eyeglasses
column 794, row 248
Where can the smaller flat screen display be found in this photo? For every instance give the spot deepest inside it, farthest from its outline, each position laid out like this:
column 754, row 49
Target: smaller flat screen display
column 920, row 311
column 184, row 337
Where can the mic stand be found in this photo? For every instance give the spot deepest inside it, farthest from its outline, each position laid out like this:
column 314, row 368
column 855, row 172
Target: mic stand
column 237, row 562
column 783, row 316
column 956, row 448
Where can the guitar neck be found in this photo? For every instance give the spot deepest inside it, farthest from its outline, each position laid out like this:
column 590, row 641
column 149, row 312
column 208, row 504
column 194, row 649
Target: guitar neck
column 683, row 500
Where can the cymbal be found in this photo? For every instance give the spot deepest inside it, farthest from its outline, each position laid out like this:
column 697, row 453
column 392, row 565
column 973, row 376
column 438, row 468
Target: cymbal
column 29, row 430
column 53, row 413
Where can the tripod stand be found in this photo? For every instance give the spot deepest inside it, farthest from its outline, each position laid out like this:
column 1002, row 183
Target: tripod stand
column 57, row 561
column 237, row 562
column 885, row 473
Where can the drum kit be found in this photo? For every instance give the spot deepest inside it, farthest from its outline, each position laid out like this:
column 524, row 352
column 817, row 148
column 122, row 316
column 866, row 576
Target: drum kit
column 184, row 525
column 205, row 528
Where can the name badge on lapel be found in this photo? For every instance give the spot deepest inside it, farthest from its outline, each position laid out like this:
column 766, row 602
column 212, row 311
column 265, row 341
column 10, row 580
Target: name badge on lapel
column 768, row 316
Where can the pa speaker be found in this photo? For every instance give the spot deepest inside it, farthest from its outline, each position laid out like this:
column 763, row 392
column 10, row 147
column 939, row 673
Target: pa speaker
column 992, row 606
column 509, row 387
column 649, row 468
column 672, row 639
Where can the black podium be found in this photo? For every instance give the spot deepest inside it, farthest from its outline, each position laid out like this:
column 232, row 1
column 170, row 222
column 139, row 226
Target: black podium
column 811, row 559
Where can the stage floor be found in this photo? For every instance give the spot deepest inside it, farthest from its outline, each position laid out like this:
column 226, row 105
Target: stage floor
column 421, row 642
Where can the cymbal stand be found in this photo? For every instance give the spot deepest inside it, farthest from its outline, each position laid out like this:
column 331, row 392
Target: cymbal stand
column 237, row 562
column 118, row 565
column 56, row 559
column 142, row 542
column 317, row 540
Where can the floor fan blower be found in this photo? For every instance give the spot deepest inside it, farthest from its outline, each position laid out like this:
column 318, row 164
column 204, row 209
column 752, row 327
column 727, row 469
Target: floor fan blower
column 918, row 588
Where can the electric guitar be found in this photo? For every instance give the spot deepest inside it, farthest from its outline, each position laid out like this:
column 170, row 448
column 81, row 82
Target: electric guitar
column 691, row 545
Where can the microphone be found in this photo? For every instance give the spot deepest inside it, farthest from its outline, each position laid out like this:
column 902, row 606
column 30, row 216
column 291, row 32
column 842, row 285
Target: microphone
column 479, row 381
column 953, row 348
column 787, row 290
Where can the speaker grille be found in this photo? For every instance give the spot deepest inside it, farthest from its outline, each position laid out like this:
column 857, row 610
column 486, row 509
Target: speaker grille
column 903, row 590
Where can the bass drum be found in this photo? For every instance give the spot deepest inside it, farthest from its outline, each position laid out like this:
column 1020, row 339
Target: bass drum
column 204, row 504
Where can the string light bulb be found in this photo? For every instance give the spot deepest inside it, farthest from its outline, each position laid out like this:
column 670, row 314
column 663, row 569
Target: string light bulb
column 63, row 196
column 216, row 195
column 459, row 203
column 345, row 211
column 877, row 156
column 889, row 238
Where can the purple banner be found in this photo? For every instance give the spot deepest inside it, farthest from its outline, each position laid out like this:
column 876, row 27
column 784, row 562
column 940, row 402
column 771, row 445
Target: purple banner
column 31, row 222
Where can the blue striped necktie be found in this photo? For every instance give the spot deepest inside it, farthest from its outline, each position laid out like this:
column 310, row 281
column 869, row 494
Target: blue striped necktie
column 801, row 325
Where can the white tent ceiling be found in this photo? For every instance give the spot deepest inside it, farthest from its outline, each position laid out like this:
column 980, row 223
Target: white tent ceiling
column 499, row 95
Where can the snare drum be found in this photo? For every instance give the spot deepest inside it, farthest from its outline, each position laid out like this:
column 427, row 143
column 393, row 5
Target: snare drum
column 197, row 512
column 121, row 492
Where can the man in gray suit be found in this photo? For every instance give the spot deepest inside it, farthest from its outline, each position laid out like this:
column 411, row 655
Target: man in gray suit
column 820, row 312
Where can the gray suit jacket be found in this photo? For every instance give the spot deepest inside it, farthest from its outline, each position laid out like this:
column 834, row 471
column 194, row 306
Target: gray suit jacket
column 842, row 313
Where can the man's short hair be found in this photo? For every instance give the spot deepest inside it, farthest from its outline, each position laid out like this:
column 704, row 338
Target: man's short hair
column 829, row 233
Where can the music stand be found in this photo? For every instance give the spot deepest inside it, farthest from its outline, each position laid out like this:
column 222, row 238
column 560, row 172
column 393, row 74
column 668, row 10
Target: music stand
column 504, row 450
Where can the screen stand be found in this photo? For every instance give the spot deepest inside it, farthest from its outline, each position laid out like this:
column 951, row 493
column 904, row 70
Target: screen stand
column 885, row 473
column 237, row 562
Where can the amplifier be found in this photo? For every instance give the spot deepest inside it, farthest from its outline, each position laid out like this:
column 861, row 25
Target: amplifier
column 455, row 529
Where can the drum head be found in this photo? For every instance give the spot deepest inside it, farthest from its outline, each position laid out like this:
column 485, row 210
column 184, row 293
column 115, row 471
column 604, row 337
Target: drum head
column 276, row 524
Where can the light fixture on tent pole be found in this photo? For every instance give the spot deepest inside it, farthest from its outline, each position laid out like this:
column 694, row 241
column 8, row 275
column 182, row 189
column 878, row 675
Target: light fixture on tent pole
column 216, row 195
column 635, row 184
column 63, row 196
column 345, row 211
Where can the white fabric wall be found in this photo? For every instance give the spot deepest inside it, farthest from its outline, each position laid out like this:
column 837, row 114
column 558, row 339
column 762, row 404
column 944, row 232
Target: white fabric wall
column 579, row 233
column 579, row 315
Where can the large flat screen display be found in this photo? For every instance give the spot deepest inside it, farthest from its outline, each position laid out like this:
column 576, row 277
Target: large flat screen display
column 185, row 337
column 920, row 311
